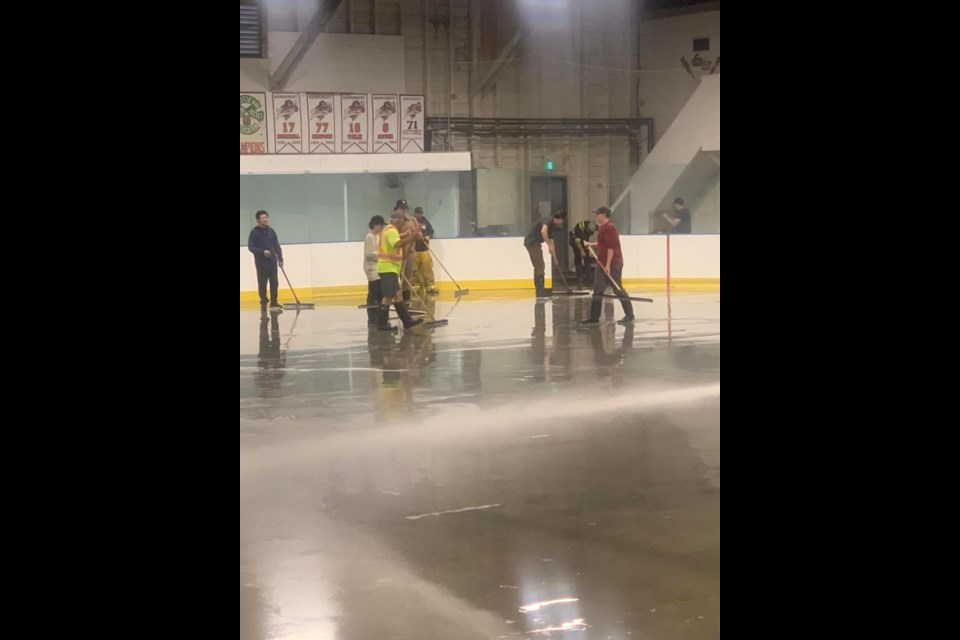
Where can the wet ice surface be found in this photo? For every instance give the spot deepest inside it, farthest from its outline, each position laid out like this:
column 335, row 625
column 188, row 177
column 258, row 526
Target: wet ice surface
column 510, row 475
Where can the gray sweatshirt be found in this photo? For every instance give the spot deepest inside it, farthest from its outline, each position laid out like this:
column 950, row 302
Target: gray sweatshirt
column 371, row 255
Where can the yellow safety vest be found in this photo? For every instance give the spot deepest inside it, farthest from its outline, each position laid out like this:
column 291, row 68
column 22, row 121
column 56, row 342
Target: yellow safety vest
column 396, row 258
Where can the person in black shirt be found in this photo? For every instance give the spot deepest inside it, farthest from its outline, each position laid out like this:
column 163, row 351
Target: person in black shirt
column 581, row 255
column 682, row 222
column 542, row 232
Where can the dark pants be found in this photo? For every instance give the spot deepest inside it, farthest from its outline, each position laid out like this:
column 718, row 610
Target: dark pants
column 582, row 262
column 536, row 258
column 267, row 273
column 389, row 285
column 600, row 284
column 374, row 296
column 581, row 259
column 389, row 288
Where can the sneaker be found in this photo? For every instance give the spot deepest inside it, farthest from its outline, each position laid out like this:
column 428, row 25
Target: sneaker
column 589, row 321
column 276, row 305
column 387, row 328
column 413, row 324
column 626, row 320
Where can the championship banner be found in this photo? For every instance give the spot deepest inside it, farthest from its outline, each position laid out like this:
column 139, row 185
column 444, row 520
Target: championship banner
column 287, row 123
column 355, row 119
column 386, row 121
column 412, row 121
column 324, row 132
column 253, row 124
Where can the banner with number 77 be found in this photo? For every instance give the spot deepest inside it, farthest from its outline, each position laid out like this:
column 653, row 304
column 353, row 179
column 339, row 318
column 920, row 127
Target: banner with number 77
column 321, row 108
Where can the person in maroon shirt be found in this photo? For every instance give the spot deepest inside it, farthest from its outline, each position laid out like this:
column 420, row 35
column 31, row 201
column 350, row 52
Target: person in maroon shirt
column 609, row 265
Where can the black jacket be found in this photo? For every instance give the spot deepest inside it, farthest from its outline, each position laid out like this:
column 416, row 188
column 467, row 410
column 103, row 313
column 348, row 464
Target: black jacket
column 264, row 239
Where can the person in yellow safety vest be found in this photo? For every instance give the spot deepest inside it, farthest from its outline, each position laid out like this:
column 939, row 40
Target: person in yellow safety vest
column 395, row 241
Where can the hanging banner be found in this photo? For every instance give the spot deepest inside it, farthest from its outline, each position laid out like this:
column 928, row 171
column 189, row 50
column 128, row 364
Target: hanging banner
column 324, row 132
column 386, row 122
column 330, row 123
column 355, row 121
column 411, row 124
column 253, row 124
column 287, row 123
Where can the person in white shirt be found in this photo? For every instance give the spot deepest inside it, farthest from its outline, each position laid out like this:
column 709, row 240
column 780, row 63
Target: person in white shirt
column 371, row 255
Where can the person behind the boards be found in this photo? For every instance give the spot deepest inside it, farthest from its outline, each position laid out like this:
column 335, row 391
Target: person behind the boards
column 681, row 222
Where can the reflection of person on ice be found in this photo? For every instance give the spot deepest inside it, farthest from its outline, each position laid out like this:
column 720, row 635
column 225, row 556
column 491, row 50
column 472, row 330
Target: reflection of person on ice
column 404, row 366
column 271, row 361
column 609, row 268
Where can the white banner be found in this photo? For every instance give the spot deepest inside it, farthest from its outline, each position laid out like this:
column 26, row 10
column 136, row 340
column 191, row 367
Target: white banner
column 412, row 121
column 355, row 120
column 385, row 123
column 324, row 132
column 287, row 123
column 330, row 123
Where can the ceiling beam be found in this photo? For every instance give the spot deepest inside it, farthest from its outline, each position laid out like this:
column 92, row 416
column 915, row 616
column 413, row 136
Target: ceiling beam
column 500, row 64
column 279, row 78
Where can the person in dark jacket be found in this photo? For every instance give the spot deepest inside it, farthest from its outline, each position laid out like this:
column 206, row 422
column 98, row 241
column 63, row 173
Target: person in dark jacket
column 267, row 254
column 582, row 259
column 682, row 224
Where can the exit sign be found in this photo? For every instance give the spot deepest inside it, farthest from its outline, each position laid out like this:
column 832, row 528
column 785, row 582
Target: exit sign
column 549, row 165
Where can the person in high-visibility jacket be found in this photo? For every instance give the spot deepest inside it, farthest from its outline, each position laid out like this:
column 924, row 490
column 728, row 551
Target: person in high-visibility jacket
column 395, row 240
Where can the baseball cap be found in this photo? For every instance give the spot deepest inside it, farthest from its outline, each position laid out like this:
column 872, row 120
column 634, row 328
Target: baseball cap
column 401, row 204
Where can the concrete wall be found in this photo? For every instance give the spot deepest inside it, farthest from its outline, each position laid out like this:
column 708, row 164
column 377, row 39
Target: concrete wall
column 670, row 170
column 665, row 86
